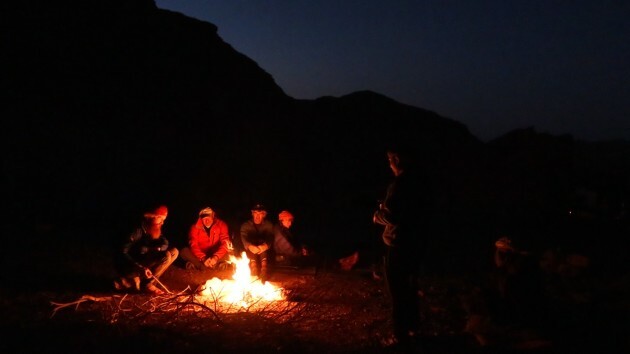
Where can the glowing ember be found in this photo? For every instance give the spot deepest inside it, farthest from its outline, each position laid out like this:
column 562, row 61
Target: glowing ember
column 243, row 289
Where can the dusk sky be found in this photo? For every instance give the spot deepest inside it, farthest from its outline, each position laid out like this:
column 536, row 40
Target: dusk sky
column 562, row 67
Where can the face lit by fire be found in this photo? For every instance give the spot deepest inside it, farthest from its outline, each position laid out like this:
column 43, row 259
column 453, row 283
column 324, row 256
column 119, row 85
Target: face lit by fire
column 159, row 219
column 207, row 220
column 154, row 227
column 394, row 163
column 286, row 222
column 258, row 216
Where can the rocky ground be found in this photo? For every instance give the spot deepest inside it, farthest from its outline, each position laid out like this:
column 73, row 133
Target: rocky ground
column 64, row 302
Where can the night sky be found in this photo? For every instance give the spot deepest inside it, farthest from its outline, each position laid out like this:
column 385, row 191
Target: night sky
column 561, row 67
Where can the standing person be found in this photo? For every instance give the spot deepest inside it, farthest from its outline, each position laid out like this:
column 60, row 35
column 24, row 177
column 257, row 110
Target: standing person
column 287, row 248
column 146, row 254
column 404, row 214
column 257, row 237
column 208, row 242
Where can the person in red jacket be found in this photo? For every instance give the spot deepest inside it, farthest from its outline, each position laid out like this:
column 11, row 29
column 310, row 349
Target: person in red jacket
column 208, row 243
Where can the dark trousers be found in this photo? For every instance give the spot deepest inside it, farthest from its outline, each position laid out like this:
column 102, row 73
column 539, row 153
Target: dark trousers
column 258, row 261
column 158, row 262
column 401, row 276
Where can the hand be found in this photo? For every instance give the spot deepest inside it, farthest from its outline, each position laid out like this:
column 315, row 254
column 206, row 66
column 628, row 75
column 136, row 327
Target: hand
column 263, row 247
column 148, row 273
column 211, row 262
column 348, row 262
column 304, row 251
column 254, row 249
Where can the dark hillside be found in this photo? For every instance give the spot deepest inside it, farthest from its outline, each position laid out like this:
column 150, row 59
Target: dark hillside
column 114, row 105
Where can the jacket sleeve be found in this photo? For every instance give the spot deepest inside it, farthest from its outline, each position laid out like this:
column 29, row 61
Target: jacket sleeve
column 267, row 232
column 224, row 238
column 280, row 243
column 384, row 215
column 133, row 238
column 193, row 243
column 246, row 229
column 163, row 245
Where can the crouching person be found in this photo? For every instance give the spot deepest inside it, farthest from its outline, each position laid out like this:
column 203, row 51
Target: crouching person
column 208, row 243
column 257, row 238
column 145, row 255
column 288, row 250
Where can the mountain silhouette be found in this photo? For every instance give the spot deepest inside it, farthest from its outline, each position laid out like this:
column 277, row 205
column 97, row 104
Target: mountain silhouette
column 112, row 106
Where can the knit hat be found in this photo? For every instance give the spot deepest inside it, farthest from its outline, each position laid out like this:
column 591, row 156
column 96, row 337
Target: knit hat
column 285, row 215
column 207, row 211
column 504, row 244
column 159, row 211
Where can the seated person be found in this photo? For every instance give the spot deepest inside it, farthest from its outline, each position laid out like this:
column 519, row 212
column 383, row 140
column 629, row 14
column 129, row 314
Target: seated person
column 287, row 249
column 145, row 255
column 257, row 238
column 208, row 243
column 512, row 309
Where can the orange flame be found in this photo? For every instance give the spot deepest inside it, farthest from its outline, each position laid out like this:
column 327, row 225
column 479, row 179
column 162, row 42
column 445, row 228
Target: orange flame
column 243, row 289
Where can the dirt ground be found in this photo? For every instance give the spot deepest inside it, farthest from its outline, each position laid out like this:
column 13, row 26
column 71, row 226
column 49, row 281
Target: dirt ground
column 64, row 303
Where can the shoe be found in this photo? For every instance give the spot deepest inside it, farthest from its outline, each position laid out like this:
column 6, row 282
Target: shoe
column 396, row 344
column 122, row 284
column 190, row 266
column 136, row 282
column 153, row 290
column 376, row 275
column 389, row 342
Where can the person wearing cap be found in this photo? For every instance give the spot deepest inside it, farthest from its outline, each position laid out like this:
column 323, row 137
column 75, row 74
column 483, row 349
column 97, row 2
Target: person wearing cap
column 257, row 237
column 208, row 242
column 286, row 247
column 145, row 254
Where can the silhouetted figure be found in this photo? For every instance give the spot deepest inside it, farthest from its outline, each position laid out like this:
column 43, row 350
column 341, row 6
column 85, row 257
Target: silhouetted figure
column 404, row 213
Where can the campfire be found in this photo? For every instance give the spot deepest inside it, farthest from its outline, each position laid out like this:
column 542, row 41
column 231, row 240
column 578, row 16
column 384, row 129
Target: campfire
column 242, row 291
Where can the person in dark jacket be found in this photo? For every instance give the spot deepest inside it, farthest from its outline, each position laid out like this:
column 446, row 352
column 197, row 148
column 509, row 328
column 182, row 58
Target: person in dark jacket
column 404, row 213
column 287, row 249
column 208, row 242
column 145, row 255
column 257, row 238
